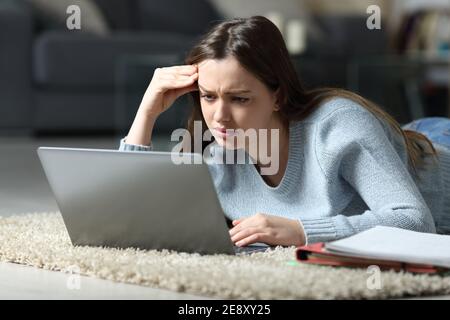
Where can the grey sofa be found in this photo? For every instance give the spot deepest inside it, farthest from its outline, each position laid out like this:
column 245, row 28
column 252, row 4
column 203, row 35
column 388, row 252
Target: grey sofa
column 53, row 79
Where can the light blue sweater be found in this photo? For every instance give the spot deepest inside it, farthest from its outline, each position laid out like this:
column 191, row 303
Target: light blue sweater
column 346, row 173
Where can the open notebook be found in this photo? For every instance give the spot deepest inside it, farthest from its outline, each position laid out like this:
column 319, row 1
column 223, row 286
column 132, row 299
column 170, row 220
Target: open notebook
column 387, row 246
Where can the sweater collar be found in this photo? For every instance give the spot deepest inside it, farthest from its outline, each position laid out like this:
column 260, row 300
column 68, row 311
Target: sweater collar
column 293, row 164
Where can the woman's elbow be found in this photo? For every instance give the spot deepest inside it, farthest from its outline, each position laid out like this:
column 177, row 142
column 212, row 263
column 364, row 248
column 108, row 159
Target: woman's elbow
column 421, row 220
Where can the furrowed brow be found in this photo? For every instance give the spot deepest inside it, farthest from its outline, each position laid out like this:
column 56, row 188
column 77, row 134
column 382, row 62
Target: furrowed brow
column 228, row 92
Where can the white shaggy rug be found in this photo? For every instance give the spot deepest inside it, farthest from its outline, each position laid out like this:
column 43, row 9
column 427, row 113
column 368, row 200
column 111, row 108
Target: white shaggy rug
column 41, row 240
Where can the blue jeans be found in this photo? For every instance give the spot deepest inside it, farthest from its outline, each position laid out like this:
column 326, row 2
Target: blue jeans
column 437, row 129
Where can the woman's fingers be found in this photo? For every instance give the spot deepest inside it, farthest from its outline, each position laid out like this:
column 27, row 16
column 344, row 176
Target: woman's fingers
column 181, row 70
column 186, row 70
column 184, row 90
column 236, row 222
column 253, row 238
column 164, row 88
column 178, row 82
column 249, row 230
column 176, row 76
column 244, row 233
column 244, row 223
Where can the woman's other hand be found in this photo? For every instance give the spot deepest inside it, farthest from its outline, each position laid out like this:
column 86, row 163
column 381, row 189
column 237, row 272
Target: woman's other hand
column 269, row 229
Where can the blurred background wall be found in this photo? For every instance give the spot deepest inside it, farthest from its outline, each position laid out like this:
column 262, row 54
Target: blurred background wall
column 55, row 81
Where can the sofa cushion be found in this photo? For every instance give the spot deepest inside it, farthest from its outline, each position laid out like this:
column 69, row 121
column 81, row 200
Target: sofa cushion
column 120, row 14
column 73, row 111
column 50, row 14
column 65, row 59
column 180, row 16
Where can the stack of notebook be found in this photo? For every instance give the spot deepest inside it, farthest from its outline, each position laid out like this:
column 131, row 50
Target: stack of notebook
column 386, row 247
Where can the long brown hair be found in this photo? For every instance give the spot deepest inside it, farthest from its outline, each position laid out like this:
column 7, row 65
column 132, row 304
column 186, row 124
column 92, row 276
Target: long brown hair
column 259, row 47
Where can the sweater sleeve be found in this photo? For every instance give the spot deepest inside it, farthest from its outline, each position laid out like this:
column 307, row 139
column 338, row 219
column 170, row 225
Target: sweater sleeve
column 354, row 149
column 133, row 147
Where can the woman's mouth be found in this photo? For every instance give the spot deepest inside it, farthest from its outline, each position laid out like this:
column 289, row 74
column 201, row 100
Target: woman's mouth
column 224, row 132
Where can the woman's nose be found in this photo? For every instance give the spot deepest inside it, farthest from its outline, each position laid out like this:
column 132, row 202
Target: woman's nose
column 222, row 112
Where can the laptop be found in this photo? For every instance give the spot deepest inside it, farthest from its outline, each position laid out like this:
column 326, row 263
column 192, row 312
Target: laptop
column 143, row 200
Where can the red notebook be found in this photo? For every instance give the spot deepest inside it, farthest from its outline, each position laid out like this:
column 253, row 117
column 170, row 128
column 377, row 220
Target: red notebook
column 317, row 254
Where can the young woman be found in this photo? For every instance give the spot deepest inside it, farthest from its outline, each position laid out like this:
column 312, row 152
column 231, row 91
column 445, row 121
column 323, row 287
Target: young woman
column 344, row 164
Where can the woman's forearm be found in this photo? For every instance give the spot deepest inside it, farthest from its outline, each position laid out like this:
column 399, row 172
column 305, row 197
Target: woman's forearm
column 141, row 129
column 166, row 86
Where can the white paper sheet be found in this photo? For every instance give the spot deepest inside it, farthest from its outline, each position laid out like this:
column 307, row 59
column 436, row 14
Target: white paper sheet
column 388, row 243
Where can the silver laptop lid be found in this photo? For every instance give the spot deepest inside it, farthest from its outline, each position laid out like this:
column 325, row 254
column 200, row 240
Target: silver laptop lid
column 136, row 199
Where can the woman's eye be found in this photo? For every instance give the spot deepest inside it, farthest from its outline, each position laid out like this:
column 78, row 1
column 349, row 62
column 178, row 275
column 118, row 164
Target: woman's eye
column 207, row 97
column 240, row 99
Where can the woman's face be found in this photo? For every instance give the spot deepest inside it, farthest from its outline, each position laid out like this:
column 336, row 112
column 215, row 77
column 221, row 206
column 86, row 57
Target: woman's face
column 232, row 98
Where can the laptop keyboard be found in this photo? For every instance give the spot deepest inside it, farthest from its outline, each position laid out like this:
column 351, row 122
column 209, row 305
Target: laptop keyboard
column 250, row 249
